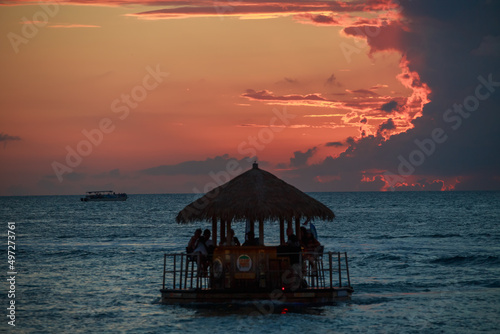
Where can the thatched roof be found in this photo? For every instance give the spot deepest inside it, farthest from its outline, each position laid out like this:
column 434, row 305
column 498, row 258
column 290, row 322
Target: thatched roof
column 255, row 195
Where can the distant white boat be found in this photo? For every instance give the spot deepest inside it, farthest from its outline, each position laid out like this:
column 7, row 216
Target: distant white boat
column 103, row 195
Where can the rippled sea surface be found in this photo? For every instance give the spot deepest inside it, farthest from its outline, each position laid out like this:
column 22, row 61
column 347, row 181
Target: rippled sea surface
column 420, row 262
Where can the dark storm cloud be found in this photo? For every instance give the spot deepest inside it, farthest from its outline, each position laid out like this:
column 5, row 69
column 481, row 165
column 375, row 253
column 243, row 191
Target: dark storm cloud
column 387, row 125
column 447, row 44
column 389, row 106
column 490, row 47
column 334, row 144
column 300, row 158
column 457, row 29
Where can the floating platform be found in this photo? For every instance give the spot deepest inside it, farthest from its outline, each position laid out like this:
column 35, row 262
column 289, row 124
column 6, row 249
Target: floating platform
column 309, row 296
column 256, row 273
column 303, row 274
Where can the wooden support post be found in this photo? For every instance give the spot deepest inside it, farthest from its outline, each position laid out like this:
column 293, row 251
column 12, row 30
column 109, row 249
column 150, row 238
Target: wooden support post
column 347, row 270
column 175, row 270
column 192, row 273
column 289, row 224
column 214, row 230
column 297, row 228
column 330, row 265
column 222, row 231
column 165, row 267
column 180, row 271
column 282, row 231
column 261, row 232
column 186, row 272
column 340, row 270
column 198, row 270
column 228, row 242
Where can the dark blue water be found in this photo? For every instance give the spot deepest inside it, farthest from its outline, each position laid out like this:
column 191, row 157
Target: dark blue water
column 419, row 263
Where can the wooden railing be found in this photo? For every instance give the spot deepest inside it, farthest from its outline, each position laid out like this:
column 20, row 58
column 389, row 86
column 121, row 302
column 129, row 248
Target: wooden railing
column 183, row 271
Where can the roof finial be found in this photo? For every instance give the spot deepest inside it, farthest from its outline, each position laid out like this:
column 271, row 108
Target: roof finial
column 255, row 165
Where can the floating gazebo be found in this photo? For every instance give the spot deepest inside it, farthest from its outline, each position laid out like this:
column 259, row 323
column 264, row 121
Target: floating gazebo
column 242, row 273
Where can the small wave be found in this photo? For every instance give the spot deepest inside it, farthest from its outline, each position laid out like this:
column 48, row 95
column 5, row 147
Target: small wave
column 71, row 253
column 368, row 300
column 384, row 257
column 388, row 237
column 396, row 287
column 477, row 259
column 431, row 236
column 487, row 283
column 156, row 301
column 493, row 284
column 439, row 235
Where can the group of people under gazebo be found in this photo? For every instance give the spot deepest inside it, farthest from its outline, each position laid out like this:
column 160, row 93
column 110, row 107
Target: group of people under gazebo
column 200, row 247
column 255, row 197
column 227, row 269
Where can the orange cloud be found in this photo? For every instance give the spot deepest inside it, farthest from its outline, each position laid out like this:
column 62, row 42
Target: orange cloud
column 256, row 9
column 364, row 110
column 267, row 95
column 73, row 26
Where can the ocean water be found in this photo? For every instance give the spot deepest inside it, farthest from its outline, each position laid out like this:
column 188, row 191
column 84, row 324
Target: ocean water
column 420, row 262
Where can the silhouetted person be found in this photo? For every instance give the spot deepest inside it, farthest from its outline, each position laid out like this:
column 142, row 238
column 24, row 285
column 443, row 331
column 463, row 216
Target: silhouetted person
column 292, row 241
column 251, row 240
column 311, row 248
column 193, row 241
column 209, row 243
column 231, row 239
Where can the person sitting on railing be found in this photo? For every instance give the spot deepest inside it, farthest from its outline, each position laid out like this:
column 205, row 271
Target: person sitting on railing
column 201, row 253
column 207, row 235
column 209, row 243
column 251, row 241
column 193, row 241
column 311, row 248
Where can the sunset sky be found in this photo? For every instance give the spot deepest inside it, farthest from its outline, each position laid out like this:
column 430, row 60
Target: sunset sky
column 178, row 96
